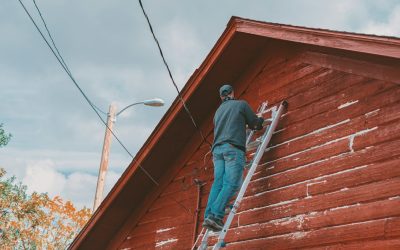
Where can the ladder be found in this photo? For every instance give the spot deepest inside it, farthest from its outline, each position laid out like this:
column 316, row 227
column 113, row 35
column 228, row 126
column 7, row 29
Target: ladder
column 261, row 144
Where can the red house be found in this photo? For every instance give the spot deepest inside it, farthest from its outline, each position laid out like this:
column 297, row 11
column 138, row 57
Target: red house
column 331, row 176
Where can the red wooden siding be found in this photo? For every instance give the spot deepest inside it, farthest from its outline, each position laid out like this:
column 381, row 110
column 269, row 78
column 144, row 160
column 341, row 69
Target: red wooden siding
column 330, row 178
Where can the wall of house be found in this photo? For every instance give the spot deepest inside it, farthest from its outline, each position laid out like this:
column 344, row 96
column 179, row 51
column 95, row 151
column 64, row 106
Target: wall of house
column 330, row 178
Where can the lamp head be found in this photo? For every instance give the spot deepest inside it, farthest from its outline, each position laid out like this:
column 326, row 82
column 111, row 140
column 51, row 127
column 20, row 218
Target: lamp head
column 156, row 102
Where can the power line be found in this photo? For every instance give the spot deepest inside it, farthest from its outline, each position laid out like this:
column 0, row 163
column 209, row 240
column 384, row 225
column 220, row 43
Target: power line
column 57, row 50
column 94, row 107
column 51, row 38
column 64, row 66
column 171, row 77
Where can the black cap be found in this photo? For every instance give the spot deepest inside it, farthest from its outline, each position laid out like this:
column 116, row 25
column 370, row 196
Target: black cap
column 225, row 90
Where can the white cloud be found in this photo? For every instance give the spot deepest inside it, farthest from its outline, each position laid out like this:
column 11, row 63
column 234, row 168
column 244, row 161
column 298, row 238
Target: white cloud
column 42, row 177
column 389, row 27
column 183, row 47
column 80, row 188
column 15, row 160
column 111, row 178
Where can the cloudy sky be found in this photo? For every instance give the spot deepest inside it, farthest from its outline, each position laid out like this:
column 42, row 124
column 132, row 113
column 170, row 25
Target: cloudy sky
column 57, row 138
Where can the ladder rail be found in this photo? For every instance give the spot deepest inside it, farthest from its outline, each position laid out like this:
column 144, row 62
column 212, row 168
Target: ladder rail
column 206, row 235
column 260, row 112
column 276, row 114
column 204, row 240
column 257, row 158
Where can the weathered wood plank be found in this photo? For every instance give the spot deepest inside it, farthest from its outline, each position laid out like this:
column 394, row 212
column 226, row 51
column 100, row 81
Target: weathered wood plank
column 363, row 68
column 301, row 85
column 184, row 211
column 357, row 176
column 344, row 128
column 308, row 156
column 364, row 193
column 327, row 166
column 392, row 228
column 273, row 197
column 316, row 220
column 358, row 231
column 333, row 116
column 381, row 134
column 363, row 245
column 158, row 237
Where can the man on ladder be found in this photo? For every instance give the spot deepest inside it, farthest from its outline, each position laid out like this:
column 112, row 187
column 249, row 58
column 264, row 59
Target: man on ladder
column 229, row 155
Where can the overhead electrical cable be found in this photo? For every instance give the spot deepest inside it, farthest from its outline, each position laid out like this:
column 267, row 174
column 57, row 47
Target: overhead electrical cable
column 58, row 52
column 65, row 67
column 171, row 77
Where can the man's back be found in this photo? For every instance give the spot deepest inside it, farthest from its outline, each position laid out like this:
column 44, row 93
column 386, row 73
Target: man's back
column 230, row 123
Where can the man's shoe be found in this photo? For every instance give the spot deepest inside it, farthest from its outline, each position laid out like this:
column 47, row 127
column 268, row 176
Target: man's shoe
column 228, row 209
column 208, row 226
column 214, row 223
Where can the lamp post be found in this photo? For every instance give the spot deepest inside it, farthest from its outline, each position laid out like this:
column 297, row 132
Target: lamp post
column 111, row 118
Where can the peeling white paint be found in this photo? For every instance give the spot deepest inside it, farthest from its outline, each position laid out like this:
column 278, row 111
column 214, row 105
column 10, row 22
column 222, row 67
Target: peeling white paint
column 351, row 143
column 300, row 220
column 394, row 198
column 298, row 235
column 347, row 104
column 164, row 229
column 280, row 130
column 372, row 113
column 312, row 132
column 344, row 207
column 164, row 242
column 306, row 181
column 282, row 203
column 343, row 171
column 273, row 109
column 318, row 182
column 271, row 205
column 362, row 132
column 309, row 149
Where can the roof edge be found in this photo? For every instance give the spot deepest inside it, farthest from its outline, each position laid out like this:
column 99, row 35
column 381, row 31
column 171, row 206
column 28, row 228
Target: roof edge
column 175, row 108
column 356, row 42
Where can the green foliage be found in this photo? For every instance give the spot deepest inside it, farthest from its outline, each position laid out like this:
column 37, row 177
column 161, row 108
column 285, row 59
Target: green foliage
column 4, row 137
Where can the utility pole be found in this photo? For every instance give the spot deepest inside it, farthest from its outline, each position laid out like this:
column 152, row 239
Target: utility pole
column 111, row 116
column 104, row 157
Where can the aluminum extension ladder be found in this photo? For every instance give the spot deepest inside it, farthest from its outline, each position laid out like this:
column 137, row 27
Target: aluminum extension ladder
column 262, row 142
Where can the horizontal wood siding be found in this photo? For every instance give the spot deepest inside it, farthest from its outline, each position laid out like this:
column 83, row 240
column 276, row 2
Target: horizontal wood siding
column 330, row 178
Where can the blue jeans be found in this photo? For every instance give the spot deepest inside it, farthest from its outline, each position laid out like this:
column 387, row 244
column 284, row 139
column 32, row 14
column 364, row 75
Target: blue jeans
column 229, row 162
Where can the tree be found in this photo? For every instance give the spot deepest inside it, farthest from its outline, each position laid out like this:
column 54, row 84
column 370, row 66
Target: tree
column 4, row 137
column 35, row 221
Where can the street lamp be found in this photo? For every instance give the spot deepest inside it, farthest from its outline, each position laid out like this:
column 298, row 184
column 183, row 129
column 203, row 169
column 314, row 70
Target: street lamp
column 111, row 118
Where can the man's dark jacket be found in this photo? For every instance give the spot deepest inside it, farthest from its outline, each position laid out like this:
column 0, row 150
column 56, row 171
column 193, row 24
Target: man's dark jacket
column 230, row 122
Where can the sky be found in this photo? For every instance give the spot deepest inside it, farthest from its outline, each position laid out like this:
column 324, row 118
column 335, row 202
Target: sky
column 57, row 137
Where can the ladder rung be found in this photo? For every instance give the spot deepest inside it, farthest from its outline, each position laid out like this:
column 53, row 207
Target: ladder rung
column 253, row 145
column 267, row 122
column 260, row 144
